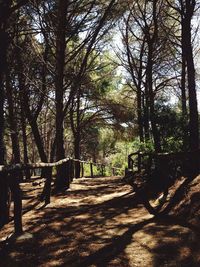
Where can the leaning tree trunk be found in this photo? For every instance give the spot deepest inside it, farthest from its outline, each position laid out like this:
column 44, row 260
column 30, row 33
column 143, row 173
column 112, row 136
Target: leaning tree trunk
column 34, row 126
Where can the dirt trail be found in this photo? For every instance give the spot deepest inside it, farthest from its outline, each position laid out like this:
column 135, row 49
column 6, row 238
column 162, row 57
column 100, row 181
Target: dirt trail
column 99, row 222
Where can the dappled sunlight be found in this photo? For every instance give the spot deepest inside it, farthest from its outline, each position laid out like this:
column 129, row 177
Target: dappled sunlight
column 107, row 226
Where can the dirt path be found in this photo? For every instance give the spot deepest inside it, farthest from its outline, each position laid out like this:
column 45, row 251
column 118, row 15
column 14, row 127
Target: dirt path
column 100, row 223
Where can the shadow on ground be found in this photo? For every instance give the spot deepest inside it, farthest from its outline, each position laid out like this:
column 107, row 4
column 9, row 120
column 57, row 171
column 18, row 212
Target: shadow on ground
column 99, row 222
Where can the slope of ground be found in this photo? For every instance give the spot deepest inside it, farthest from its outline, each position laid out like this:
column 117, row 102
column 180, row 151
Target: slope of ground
column 99, row 222
column 189, row 207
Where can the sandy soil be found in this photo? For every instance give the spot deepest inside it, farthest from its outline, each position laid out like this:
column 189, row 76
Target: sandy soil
column 98, row 222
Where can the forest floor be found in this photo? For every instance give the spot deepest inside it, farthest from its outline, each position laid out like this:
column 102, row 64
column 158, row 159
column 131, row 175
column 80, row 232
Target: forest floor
column 98, row 222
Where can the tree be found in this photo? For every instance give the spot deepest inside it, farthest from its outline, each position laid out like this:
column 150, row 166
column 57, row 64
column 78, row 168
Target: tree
column 6, row 10
column 186, row 9
column 148, row 62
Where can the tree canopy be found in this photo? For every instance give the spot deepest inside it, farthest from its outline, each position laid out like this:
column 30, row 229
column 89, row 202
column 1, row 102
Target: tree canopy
column 78, row 78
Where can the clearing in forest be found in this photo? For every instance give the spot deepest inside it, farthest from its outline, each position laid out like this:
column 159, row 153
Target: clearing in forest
column 99, row 222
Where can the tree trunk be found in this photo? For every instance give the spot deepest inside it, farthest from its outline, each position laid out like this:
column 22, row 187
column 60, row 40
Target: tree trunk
column 146, row 114
column 35, row 130
column 139, row 115
column 77, row 137
column 4, row 209
column 155, row 132
column 3, row 48
column 77, row 154
column 12, row 121
column 183, row 101
column 4, row 200
column 183, row 89
column 60, row 182
column 24, row 140
column 17, row 199
column 152, row 39
column 193, row 109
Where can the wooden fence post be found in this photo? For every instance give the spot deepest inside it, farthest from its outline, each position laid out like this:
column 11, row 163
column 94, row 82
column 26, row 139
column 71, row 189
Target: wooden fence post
column 67, row 171
column 48, row 185
column 82, row 169
column 27, row 174
column 77, row 169
column 91, row 169
column 113, row 171
column 71, row 169
column 46, row 193
column 16, row 194
column 130, row 162
column 139, row 162
column 102, row 171
column 4, row 199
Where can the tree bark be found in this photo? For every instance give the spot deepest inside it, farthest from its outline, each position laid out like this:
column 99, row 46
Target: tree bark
column 193, row 109
column 139, row 115
column 183, row 100
column 155, row 132
column 3, row 51
column 145, row 104
column 60, row 182
column 17, row 198
column 4, row 209
column 12, row 121
column 77, row 137
column 152, row 39
column 77, row 154
column 24, row 139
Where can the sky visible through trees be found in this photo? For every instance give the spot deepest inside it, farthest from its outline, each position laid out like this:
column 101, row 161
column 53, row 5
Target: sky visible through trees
column 97, row 80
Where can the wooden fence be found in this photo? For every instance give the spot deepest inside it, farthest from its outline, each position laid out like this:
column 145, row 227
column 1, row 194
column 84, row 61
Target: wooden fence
column 188, row 161
column 151, row 174
column 10, row 180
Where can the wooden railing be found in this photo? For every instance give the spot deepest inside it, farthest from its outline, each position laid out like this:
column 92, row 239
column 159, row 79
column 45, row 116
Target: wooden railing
column 151, row 174
column 10, row 180
column 185, row 160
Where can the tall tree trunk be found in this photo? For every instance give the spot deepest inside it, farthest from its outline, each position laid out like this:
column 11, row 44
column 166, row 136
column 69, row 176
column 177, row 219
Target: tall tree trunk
column 60, row 182
column 77, row 137
column 77, row 154
column 3, row 49
column 139, row 115
column 24, row 135
column 184, row 103
column 145, row 104
column 12, row 121
column 193, row 108
column 183, row 88
column 4, row 208
column 155, row 132
column 152, row 39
